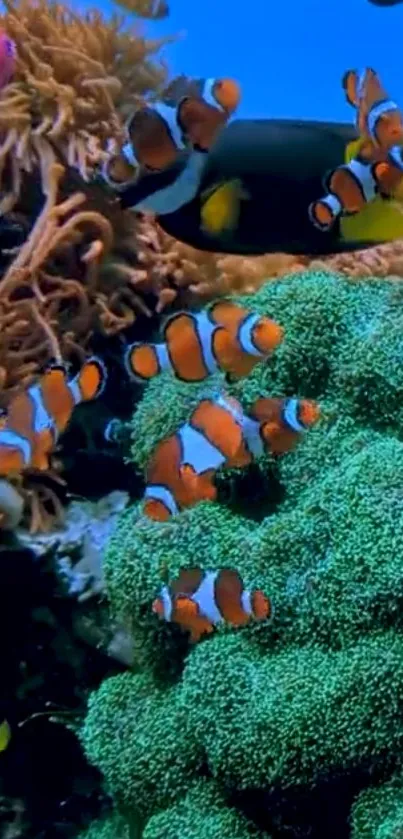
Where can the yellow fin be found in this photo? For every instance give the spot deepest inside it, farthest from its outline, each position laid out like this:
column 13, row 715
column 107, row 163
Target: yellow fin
column 5, row 735
column 220, row 209
column 378, row 221
column 353, row 148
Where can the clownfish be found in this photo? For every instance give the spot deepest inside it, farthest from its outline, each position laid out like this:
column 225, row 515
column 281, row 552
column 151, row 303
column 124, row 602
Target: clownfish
column 224, row 337
column 165, row 153
column 37, row 416
column 377, row 166
column 199, row 600
column 204, row 106
column 219, row 434
column 378, row 118
column 282, row 421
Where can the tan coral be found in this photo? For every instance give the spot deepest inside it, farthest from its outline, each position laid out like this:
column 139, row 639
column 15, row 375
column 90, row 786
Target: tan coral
column 76, row 79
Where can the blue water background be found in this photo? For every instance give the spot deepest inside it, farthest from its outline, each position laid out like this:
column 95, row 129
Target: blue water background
column 289, row 55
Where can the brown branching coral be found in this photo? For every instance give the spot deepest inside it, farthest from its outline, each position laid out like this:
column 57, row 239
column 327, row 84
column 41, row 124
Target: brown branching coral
column 197, row 275
column 76, row 77
column 381, row 261
column 176, row 271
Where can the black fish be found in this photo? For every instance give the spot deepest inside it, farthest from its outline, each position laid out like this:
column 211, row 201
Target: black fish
column 282, row 165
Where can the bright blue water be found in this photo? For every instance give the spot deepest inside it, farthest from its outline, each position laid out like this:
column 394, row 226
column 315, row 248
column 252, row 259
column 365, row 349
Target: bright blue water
column 289, row 55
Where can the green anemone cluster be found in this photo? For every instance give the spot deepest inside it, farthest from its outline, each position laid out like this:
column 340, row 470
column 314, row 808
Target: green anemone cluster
column 230, row 737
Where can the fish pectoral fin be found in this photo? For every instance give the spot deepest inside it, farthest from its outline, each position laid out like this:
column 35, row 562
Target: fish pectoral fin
column 200, row 487
column 270, row 431
column 220, row 208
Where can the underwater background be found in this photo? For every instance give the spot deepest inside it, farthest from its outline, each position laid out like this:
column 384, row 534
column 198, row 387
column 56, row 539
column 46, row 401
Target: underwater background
column 289, row 56
column 201, row 450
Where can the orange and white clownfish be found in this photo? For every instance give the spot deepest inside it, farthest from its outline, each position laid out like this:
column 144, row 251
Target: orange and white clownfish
column 223, row 337
column 379, row 118
column 377, row 166
column 219, row 434
column 37, row 416
column 203, row 107
column 282, row 421
column 167, row 143
column 200, row 600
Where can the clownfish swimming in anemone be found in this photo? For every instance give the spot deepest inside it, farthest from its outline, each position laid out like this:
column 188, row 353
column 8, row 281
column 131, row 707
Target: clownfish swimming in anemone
column 219, row 434
column 224, row 337
column 199, row 600
column 36, row 417
column 377, row 165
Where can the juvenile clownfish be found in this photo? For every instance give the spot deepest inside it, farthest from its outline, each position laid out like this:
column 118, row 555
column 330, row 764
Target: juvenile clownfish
column 224, row 337
column 36, row 417
column 377, row 166
column 219, row 435
column 199, row 600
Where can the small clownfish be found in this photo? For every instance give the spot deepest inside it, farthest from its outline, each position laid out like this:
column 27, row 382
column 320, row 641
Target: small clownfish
column 36, row 417
column 282, row 421
column 8, row 54
column 379, row 119
column 219, row 434
column 199, row 600
column 158, row 132
column 204, row 108
column 224, row 337
column 377, row 166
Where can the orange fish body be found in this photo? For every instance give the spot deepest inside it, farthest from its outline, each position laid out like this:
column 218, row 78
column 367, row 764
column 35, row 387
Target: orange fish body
column 225, row 337
column 200, row 600
column 378, row 166
column 36, row 417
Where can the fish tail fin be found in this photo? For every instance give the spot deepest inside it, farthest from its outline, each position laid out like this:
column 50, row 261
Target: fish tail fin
column 324, row 212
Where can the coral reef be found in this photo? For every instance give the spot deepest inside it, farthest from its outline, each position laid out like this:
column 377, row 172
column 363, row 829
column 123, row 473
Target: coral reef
column 79, row 272
column 61, row 110
column 277, row 716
